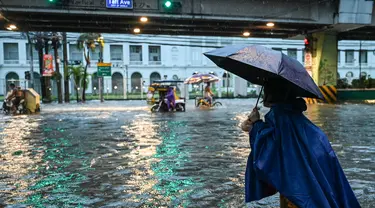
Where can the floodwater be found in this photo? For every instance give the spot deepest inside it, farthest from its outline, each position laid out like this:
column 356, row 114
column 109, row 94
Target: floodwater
column 118, row 154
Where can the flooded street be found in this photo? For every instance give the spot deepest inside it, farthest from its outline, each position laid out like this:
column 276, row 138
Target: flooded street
column 118, row 154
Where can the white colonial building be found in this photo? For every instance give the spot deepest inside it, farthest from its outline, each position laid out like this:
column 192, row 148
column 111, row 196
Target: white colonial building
column 141, row 58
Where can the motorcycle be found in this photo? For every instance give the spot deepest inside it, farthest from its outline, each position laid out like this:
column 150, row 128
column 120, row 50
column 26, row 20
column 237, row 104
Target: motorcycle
column 20, row 108
column 161, row 106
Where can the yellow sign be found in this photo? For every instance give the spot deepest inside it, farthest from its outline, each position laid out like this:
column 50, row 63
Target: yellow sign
column 104, row 64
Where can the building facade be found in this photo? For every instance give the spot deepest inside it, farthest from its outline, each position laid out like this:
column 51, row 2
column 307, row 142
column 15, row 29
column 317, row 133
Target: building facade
column 137, row 60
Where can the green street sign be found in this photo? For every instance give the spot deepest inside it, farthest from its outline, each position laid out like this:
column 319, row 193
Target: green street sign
column 104, row 69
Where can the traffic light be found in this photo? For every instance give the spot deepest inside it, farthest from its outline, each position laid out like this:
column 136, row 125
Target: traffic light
column 167, row 4
column 27, row 75
column 172, row 6
column 308, row 43
column 58, row 2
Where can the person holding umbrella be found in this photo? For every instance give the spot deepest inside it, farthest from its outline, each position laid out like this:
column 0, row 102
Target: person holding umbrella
column 208, row 94
column 289, row 154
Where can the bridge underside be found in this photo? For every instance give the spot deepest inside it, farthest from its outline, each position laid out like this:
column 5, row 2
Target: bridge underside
column 63, row 22
column 362, row 33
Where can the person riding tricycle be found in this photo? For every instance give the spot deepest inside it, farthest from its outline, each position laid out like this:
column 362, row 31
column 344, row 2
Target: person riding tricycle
column 207, row 99
column 14, row 100
column 168, row 98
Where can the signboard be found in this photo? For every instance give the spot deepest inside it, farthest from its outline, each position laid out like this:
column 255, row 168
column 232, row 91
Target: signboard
column 119, row 4
column 104, row 69
column 308, row 63
column 308, row 59
column 47, row 65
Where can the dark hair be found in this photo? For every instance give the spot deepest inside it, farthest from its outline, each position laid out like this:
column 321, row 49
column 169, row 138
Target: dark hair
column 278, row 93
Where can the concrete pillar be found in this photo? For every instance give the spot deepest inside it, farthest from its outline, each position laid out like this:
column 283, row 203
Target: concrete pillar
column 126, row 53
column 145, row 54
column 324, row 65
column 22, row 52
column 240, row 87
column 106, row 53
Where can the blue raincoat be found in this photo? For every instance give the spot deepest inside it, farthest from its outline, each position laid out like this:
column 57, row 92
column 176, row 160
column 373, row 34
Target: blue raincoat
column 293, row 156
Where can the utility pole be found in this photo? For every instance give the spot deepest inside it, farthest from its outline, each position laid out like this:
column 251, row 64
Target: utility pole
column 66, row 77
column 31, row 81
column 101, row 78
column 56, row 45
column 360, row 61
column 39, row 45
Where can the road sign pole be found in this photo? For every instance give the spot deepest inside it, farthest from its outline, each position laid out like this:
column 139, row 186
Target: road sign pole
column 104, row 69
column 101, row 89
column 125, row 89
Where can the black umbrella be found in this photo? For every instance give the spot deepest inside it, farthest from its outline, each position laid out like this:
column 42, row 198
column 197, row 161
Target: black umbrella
column 261, row 65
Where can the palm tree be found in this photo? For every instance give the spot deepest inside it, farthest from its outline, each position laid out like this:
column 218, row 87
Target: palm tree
column 78, row 74
column 86, row 42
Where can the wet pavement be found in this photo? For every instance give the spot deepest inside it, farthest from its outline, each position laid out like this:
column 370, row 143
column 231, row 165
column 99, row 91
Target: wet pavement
column 118, row 154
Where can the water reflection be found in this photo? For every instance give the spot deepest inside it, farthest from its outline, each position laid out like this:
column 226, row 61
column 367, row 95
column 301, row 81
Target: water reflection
column 118, row 155
column 17, row 158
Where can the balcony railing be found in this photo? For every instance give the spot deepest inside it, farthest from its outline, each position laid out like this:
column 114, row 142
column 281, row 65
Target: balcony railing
column 135, row 62
column 154, row 63
column 35, row 62
column 11, row 61
column 117, row 64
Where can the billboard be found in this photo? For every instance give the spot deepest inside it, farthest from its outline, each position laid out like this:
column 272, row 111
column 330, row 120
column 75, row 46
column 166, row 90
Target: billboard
column 47, row 65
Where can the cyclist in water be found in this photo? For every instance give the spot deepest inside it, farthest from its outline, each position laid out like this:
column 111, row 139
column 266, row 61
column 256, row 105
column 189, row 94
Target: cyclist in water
column 208, row 94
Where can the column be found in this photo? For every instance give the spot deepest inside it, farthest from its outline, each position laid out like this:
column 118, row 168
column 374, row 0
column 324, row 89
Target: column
column 1, row 52
column 126, row 53
column 300, row 57
column 356, row 58
column 342, row 57
column 106, row 53
column 325, row 51
column 22, row 52
column 145, row 54
column 324, row 64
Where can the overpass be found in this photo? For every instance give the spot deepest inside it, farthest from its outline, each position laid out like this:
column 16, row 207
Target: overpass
column 193, row 17
column 326, row 20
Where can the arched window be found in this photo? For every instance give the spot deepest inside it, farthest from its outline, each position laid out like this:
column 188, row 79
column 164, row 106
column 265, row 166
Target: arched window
column 117, row 83
column 12, row 77
column 349, row 75
column 154, row 76
column 95, row 83
column 136, row 82
column 363, row 74
column 226, row 79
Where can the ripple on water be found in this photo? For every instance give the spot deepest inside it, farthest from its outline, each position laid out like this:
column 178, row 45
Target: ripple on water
column 118, row 154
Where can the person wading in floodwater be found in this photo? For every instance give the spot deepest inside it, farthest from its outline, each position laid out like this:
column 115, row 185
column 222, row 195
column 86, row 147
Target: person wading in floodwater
column 292, row 156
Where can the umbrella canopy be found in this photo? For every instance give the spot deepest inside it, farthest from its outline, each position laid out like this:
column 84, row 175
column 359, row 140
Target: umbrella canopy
column 198, row 78
column 261, row 65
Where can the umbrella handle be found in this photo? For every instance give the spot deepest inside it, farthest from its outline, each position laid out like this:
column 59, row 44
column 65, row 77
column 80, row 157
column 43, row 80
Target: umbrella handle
column 260, row 94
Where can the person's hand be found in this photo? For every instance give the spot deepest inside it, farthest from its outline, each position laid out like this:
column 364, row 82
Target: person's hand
column 254, row 115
